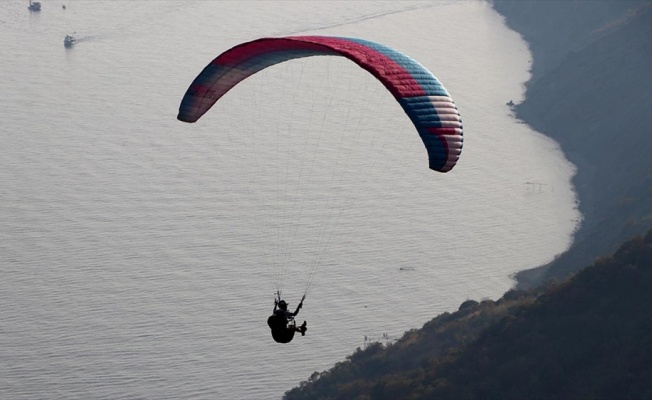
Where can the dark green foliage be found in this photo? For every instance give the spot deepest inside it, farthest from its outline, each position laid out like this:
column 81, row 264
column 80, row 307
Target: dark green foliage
column 390, row 371
column 589, row 337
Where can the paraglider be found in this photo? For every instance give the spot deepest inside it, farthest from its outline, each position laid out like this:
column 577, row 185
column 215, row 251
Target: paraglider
column 417, row 91
column 282, row 322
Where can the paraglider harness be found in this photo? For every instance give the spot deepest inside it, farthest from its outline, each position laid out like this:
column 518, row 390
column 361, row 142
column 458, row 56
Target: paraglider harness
column 282, row 322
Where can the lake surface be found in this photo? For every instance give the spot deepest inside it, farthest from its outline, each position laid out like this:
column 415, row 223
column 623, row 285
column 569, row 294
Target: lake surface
column 140, row 255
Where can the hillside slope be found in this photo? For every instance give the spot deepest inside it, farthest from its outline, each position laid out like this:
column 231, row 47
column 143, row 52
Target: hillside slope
column 591, row 91
column 589, row 337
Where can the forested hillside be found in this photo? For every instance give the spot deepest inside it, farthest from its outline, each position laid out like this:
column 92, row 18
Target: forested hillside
column 591, row 91
column 589, row 337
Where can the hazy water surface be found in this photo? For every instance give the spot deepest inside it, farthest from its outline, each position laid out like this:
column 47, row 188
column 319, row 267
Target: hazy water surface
column 138, row 253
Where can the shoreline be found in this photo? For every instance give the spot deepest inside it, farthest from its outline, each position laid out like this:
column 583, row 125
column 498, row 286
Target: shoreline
column 583, row 55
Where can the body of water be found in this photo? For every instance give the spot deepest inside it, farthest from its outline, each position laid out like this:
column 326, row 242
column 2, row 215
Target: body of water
column 139, row 253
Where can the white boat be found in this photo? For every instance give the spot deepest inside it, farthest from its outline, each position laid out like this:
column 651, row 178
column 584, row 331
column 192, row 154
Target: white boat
column 34, row 5
column 69, row 40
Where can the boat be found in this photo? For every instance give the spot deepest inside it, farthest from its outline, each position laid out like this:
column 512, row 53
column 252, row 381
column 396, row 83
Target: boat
column 69, row 40
column 34, row 5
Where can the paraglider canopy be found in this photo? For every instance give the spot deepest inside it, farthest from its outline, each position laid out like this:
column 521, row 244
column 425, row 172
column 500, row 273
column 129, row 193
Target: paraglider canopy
column 423, row 98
